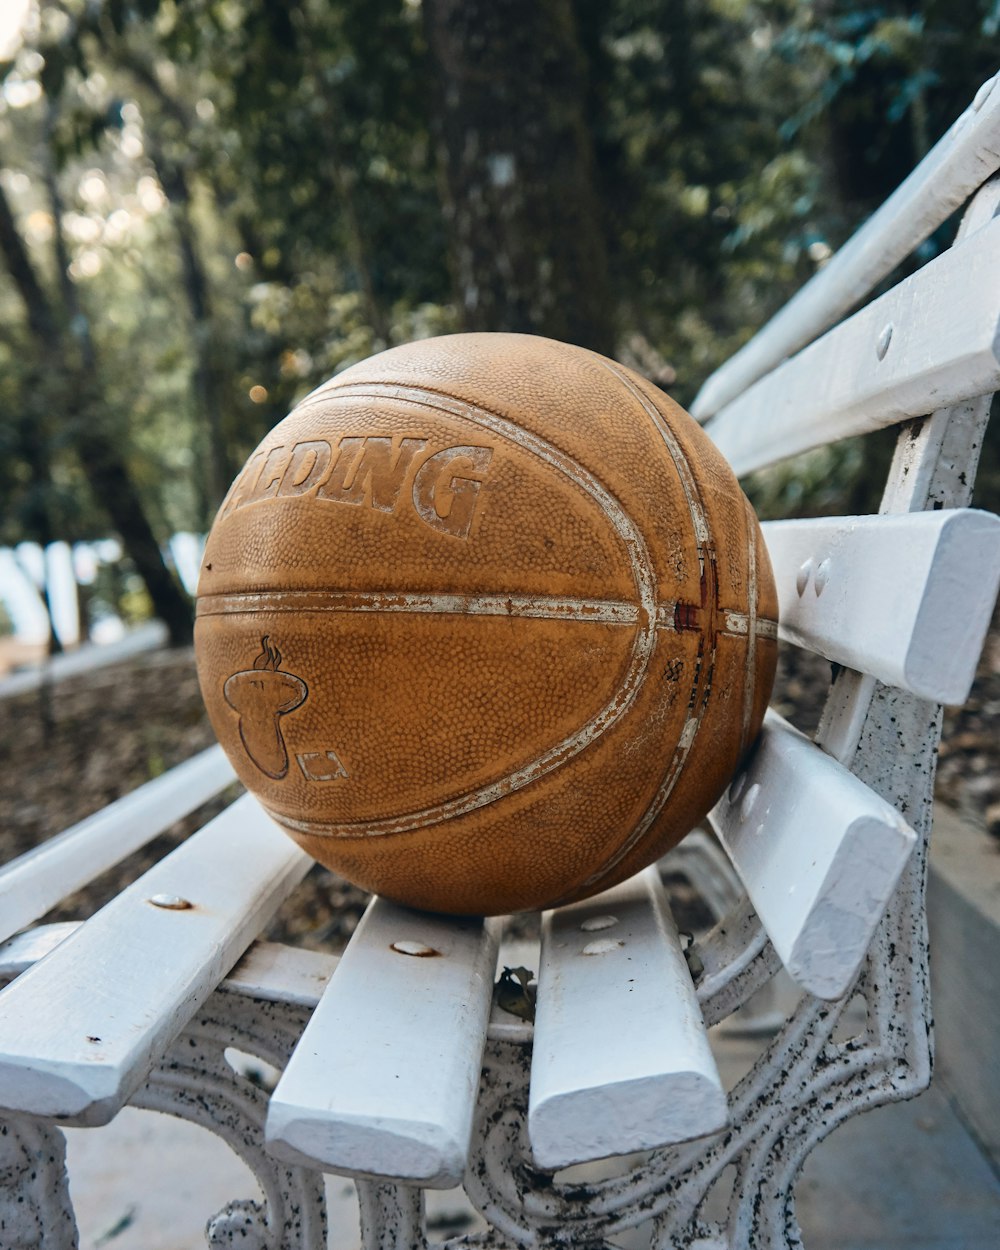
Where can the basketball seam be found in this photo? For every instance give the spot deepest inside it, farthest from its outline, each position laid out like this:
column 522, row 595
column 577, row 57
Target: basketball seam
column 540, row 607
column 750, row 663
column 691, row 726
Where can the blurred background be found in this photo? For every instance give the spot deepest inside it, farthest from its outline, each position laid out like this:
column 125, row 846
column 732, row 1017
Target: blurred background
column 209, row 207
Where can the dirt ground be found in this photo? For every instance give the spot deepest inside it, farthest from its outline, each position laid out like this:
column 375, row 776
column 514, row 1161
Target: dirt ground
column 67, row 750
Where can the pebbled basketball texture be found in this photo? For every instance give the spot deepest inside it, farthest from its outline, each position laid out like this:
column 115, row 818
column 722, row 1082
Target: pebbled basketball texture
column 486, row 623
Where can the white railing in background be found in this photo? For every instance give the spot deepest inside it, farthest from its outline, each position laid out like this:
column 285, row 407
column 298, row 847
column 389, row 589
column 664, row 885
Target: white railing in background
column 28, row 569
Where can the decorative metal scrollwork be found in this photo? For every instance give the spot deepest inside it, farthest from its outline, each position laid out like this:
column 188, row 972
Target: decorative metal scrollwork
column 35, row 1209
column 195, row 1082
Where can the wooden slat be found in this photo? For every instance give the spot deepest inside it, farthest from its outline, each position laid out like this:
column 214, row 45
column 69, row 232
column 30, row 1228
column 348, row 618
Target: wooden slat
column 269, row 971
column 79, row 1031
column 938, row 329
column 83, row 659
column 383, row 1081
column 273, row 972
column 818, row 852
column 906, row 598
column 621, row 1060
column 36, row 881
column 957, row 164
column 18, row 953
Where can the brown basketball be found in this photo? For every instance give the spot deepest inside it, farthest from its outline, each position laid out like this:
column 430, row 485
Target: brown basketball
column 486, row 623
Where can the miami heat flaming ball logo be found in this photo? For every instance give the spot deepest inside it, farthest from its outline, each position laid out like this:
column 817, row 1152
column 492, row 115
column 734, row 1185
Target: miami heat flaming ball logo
column 261, row 695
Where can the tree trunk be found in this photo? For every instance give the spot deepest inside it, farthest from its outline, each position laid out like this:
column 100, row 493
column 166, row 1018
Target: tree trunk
column 527, row 237
column 109, row 480
column 208, row 378
column 211, row 394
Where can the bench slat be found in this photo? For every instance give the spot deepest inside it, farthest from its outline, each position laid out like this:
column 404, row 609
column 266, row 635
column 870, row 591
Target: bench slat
column 905, row 598
column 621, row 1059
column 818, row 852
column 18, row 953
column 384, row 1079
column 268, row 972
column 33, row 883
column 938, row 331
column 79, row 1031
column 962, row 159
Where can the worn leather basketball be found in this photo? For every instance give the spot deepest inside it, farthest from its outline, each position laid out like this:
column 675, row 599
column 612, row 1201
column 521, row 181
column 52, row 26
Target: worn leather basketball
column 486, row 623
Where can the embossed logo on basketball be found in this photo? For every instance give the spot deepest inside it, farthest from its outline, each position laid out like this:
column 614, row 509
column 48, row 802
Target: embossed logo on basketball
column 369, row 470
column 528, row 622
column 260, row 696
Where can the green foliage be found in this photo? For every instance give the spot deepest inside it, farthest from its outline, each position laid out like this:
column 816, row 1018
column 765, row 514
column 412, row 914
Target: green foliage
column 248, row 197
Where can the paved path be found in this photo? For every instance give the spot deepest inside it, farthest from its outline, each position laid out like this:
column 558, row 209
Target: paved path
column 902, row 1177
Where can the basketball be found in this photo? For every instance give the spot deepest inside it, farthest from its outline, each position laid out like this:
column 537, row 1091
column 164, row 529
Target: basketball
column 486, row 623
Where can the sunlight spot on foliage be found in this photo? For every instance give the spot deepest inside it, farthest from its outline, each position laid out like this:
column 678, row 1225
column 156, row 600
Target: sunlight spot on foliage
column 258, row 394
column 243, row 261
column 81, row 228
column 87, row 265
column 13, row 18
column 502, row 168
column 644, row 42
column 20, row 94
column 16, row 182
column 150, row 195
column 296, row 364
column 93, row 187
column 94, row 89
column 38, row 227
column 131, row 143
column 762, row 38
column 694, row 200
column 118, row 225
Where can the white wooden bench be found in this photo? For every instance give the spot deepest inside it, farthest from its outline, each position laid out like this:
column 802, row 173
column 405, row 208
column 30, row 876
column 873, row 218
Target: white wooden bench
column 400, row 1069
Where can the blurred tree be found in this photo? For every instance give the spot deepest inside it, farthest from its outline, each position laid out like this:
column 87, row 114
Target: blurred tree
column 62, row 334
column 527, row 235
column 237, row 198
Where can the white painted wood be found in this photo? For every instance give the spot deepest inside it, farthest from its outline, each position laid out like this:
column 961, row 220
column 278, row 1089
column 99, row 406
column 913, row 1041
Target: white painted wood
column 84, row 659
column 928, row 343
column 79, row 1031
column 818, row 852
column 18, row 953
column 272, row 972
column 268, row 972
column 934, row 466
column 36, row 881
column 906, row 598
column 958, row 163
column 621, row 1059
column 383, row 1082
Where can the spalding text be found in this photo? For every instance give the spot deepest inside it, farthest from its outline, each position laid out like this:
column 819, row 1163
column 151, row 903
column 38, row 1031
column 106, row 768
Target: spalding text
column 370, row 470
